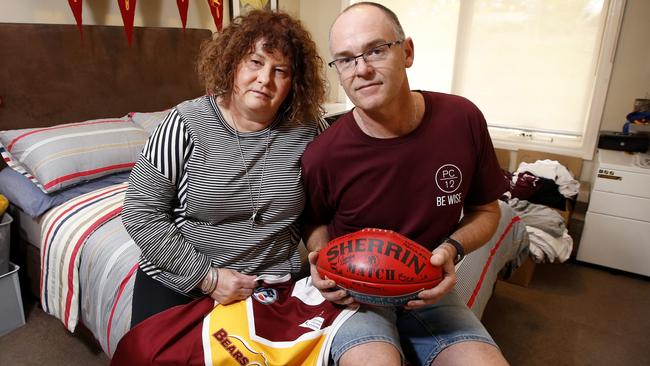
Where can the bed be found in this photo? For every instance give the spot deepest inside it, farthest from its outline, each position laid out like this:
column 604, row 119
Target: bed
column 78, row 258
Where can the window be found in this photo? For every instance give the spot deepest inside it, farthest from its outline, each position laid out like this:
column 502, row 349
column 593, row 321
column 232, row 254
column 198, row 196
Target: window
column 538, row 69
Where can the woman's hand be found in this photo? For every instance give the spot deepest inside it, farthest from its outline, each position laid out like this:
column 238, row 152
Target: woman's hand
column 327, row 286
column 233, row 286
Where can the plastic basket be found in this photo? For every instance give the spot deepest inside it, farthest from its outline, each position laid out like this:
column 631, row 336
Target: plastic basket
column 11, row 302
column 5, row 240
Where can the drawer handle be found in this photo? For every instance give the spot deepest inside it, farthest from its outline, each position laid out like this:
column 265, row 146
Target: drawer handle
column 613, row 177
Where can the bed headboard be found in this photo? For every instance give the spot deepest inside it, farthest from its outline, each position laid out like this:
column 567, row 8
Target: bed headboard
column 49, row 76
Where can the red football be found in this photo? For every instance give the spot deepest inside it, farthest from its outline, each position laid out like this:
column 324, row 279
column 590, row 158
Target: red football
column 378, row 267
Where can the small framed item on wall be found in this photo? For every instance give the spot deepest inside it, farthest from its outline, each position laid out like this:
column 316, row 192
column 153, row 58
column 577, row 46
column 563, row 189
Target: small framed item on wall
column 242, row 7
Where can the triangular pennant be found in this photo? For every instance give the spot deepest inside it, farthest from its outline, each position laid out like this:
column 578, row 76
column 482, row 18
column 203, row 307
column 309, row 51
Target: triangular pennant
column 127, row 8
column 76, row 6
column 216, row 8
column 182, row 9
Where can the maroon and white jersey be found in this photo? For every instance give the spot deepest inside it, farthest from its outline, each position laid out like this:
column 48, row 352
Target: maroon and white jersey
column 282, row 323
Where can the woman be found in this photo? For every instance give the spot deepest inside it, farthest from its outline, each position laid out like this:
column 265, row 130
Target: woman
column 214, row 200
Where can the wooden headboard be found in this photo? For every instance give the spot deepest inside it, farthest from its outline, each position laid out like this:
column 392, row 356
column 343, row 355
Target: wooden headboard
column 48, row 75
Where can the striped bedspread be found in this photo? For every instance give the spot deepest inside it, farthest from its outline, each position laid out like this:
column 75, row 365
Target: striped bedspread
column 88, row 262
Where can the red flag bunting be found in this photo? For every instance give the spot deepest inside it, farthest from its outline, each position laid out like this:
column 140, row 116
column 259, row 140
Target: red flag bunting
column 76, row 6
column 127, row 8
column 182, row 9
column 216, row 8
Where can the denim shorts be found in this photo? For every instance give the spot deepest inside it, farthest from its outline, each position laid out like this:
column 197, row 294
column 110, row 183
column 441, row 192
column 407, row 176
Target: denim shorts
column 420, row 335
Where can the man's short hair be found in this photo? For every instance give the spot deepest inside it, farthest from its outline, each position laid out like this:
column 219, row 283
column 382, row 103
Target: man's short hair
column 399, row 31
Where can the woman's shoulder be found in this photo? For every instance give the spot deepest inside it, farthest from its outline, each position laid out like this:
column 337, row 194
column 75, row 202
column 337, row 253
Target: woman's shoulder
column 197, row 114
column 295, row 130
column 194, row 106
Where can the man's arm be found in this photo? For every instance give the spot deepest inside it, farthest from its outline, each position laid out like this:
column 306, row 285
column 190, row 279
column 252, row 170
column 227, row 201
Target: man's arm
column 475, row 229
column 315, row 236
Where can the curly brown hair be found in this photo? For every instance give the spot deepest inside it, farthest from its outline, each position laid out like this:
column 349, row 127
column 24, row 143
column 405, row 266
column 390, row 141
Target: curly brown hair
column 219, row 57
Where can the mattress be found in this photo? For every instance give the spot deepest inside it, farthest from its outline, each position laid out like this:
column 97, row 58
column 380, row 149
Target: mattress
column 29, row 228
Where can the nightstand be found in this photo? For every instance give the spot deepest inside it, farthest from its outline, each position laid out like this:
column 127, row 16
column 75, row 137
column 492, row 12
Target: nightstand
column 616, row 233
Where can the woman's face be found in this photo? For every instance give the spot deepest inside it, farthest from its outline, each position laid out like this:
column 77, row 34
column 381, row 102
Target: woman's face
column 262, row 82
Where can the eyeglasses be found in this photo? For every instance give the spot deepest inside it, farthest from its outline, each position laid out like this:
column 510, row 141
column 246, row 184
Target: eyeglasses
column 345, row 65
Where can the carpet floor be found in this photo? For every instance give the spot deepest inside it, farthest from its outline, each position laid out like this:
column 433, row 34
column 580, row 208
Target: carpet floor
column 43, row 340
column 572, row 314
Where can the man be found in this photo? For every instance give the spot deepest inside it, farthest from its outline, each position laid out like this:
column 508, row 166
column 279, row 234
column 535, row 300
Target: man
column 411, row 162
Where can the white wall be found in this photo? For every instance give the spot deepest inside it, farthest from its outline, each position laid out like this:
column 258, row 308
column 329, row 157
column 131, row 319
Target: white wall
column 290, row 6
column 317, row 16
column 631, row 72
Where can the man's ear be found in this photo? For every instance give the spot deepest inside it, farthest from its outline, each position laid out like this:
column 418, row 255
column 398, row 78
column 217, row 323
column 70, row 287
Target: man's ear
column 409, row 52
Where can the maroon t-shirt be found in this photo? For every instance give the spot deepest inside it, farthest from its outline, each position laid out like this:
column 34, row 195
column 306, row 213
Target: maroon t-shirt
column 416, row 184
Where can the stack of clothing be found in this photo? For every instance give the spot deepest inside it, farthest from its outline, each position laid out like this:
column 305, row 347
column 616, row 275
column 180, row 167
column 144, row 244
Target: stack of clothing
column 536, row 189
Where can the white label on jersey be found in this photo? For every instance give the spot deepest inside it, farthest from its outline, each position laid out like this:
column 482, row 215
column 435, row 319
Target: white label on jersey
column 307, row 293
column 314, row 323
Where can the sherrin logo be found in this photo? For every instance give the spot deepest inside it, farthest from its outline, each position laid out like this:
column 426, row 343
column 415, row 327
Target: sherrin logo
column 373, row 246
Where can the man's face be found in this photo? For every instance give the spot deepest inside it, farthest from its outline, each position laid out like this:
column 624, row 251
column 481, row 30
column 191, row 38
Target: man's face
column 370, row 85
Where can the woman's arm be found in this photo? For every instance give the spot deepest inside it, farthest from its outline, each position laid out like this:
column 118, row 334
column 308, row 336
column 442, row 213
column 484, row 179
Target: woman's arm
column 150, row 198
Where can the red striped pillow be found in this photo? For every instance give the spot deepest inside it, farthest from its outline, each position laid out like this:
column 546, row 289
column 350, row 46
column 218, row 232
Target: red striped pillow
column 63, row 155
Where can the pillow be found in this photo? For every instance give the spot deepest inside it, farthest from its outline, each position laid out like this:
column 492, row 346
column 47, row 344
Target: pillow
column 61, row 156
column 15, row 166
column 29, row 198
column 149, row 121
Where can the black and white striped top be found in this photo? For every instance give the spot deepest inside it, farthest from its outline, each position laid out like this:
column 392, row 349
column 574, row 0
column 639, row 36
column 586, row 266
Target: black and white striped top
column 188, row 204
